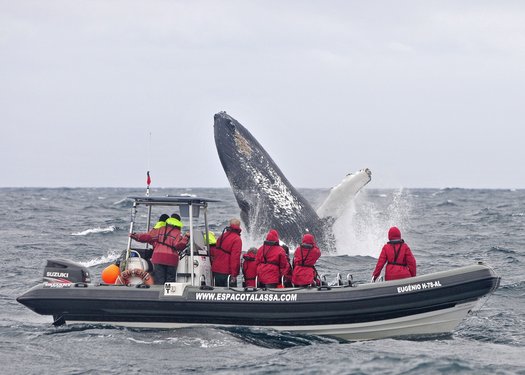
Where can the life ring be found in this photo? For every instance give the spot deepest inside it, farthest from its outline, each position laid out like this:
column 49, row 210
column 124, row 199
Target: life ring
column 126, row 277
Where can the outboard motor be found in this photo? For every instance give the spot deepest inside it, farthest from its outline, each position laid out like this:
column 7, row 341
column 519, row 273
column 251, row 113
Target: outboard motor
column 65, row 271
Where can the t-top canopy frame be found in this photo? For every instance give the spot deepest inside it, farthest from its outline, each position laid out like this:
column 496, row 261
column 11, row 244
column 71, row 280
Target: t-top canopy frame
column 189, row 207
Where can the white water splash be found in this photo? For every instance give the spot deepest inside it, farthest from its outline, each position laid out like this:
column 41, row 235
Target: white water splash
column 123, row 200
column 110, row 257
column 362, row 228
column 86, row 232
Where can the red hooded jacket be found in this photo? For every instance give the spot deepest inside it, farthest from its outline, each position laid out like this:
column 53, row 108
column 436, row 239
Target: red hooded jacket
column 400, row 263
column 304, row 261
column 167, row 242
column 249, row 268
column 271, row 260
column 226, row 256
column 288, row 276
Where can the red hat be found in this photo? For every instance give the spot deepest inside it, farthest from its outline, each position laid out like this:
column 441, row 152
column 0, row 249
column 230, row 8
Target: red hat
column 394, row 234
column 308, row 238
column 272, row 235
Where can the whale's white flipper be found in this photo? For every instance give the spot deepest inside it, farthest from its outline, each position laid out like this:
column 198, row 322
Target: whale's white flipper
column 341, row 195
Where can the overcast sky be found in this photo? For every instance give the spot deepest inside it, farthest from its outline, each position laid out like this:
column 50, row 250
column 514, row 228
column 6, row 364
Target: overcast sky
column 424, row 93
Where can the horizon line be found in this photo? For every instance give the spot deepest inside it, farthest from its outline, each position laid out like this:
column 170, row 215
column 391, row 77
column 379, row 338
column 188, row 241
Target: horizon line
column 228, row 187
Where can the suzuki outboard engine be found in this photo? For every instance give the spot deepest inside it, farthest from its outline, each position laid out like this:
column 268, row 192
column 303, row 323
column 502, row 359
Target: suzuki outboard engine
column 65, row 271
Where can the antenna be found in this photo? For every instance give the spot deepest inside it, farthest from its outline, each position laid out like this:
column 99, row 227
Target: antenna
column 149, row 151
column 148, row 179
column 148, row 182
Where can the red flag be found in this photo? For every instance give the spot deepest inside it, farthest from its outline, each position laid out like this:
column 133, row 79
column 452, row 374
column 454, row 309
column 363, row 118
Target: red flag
column 148, row 181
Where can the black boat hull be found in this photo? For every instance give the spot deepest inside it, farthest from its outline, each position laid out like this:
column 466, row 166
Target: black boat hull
column 431, row 303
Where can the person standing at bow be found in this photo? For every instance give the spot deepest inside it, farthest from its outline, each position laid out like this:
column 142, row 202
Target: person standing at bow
column 271, row 261
column 400, row 263
column 167, row 241
column 305, row 257
column 226, row 256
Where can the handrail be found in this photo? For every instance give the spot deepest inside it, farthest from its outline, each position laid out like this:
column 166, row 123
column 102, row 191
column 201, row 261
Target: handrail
column 192, row 265
column 131, row 226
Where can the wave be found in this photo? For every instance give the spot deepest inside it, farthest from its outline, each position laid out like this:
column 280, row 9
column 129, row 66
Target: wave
column 516, row 286
column 123, row 201
column 271, row 339
column 86, row 232
column 448, row 202
column 110, row 257
column 503, row 250
column 486, row 212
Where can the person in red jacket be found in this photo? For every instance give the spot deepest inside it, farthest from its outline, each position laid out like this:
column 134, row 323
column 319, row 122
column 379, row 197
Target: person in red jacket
column 304, row 259
column 226, row 256
column 167, row 241
column 288, row 276
column 400, row 263
column 271, row 261
column 249, row 267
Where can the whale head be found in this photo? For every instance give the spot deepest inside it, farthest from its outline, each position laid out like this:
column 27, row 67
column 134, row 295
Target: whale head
column 264, row 195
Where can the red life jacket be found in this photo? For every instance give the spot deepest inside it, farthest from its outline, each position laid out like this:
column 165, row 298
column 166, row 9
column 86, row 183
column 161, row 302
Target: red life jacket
column 304, row 261
column 271, row 264
column 167, row 242
column 249, row 269
column 226, row 256
column 400, row 263
column 271, row 260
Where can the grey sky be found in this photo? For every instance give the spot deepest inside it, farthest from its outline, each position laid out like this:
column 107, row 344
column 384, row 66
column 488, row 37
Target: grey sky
column 424, row 93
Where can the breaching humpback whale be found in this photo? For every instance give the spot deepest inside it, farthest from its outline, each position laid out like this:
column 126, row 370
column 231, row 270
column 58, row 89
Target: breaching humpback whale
column 266, row 198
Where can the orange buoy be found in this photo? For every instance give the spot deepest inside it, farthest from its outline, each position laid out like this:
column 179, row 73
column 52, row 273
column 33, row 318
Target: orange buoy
column 110, row 274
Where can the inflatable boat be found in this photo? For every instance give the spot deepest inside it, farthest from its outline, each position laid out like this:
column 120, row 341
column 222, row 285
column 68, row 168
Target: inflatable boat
column 427, row 304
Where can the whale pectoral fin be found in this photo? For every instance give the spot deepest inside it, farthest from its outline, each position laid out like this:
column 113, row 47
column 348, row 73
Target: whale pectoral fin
column 341, row 195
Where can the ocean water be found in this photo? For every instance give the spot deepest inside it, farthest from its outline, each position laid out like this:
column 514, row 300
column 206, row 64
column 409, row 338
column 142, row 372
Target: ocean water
column 445, row 229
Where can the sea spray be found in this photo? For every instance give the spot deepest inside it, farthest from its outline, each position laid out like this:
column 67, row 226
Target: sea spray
column 110, row 257
column 363, row 226
column 86, row 232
